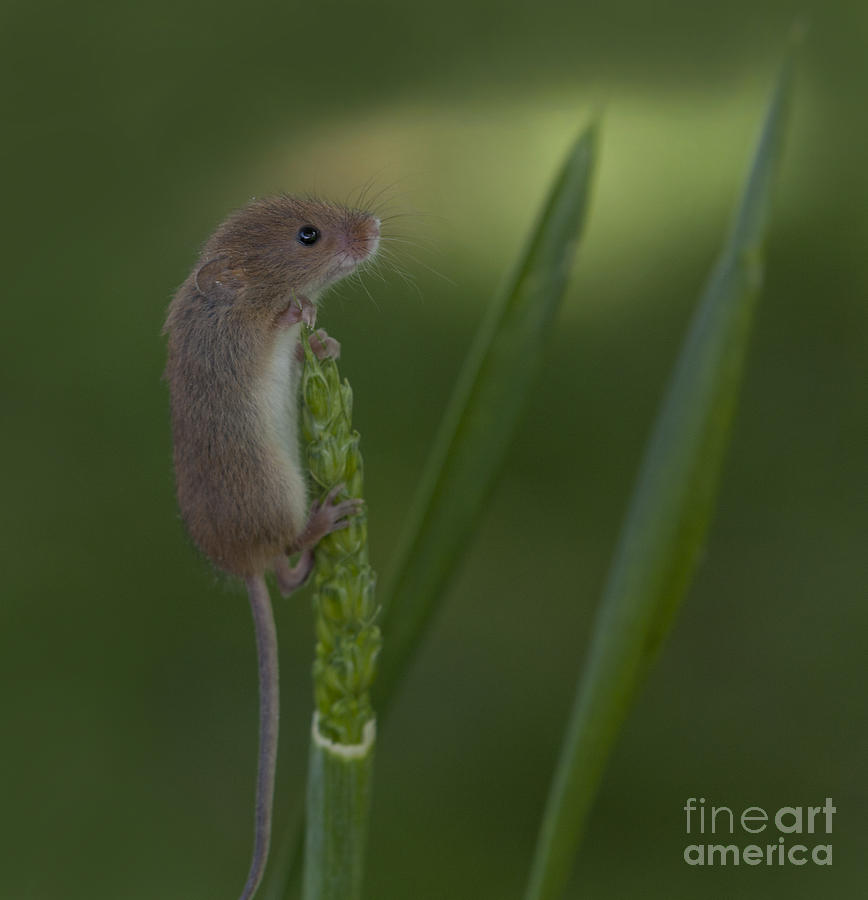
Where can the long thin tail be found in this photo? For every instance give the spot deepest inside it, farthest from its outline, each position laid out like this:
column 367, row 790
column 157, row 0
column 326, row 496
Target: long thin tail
column 269, row 706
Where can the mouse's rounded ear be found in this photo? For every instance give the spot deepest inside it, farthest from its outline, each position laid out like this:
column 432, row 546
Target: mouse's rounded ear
column 218, row 280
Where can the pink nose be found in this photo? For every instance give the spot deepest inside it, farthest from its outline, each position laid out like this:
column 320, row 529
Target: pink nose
column 367, row 246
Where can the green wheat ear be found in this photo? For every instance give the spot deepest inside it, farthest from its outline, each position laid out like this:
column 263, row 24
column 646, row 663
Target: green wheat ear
column 348, row 641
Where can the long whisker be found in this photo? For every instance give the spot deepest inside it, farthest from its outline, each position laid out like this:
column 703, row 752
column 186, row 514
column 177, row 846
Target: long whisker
column 358, row 275
column 405, row 276
column 394, row 239
column 432, row 270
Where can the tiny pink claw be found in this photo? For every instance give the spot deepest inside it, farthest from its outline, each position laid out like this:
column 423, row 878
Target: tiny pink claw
column 308, row 312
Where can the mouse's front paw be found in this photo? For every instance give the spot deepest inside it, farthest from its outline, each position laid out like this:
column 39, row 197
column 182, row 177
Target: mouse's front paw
column 300, row 310
column 324, row 346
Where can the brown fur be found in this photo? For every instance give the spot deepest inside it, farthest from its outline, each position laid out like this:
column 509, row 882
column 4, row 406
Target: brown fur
column 239, row 481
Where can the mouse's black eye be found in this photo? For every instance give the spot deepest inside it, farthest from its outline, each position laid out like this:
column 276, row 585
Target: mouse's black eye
column 307, row 234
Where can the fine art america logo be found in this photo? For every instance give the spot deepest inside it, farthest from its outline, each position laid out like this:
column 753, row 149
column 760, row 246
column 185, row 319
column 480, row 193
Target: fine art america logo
column 792, row 835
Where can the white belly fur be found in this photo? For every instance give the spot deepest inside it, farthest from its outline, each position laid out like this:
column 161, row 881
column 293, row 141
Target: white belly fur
column 279, row 408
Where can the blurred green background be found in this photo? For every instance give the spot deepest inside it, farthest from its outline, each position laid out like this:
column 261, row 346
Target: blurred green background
column 127, row 669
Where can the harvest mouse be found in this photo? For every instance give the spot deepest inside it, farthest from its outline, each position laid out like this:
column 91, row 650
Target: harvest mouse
column 233, row 371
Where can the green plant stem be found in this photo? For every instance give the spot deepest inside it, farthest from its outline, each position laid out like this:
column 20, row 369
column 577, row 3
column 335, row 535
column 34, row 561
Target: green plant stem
column 347, row 645
column 668, row 515
column 338, row 803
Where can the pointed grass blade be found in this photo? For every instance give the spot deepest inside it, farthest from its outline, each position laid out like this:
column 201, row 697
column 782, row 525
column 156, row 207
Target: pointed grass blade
column 668, row 516
column 483, row 414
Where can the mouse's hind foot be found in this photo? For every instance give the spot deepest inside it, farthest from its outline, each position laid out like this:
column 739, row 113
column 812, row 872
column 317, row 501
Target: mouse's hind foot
column 325, row 516
column 328, row 515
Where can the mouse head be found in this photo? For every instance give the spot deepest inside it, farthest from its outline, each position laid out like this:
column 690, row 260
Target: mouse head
column 279, row 248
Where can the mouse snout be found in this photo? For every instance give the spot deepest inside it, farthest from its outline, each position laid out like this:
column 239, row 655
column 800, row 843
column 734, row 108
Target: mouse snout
column 373, row 235
column 364, row 238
